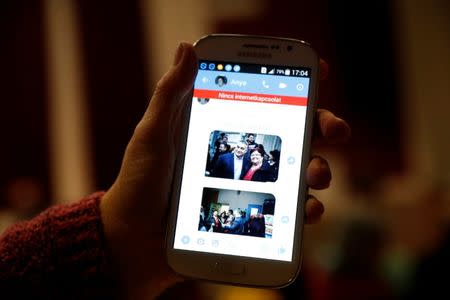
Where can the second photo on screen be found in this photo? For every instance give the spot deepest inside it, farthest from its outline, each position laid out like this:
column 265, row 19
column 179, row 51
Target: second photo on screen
column 237, row 212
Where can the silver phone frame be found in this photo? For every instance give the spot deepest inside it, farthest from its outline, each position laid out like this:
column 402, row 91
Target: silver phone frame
column 258, row 272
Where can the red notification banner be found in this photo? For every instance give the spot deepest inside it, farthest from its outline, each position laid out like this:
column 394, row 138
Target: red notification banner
column 251, row 97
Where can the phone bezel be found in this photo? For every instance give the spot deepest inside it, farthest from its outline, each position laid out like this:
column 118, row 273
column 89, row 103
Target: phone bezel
column 257, row 272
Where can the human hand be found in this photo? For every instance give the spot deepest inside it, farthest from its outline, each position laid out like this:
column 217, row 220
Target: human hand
column 134, row 209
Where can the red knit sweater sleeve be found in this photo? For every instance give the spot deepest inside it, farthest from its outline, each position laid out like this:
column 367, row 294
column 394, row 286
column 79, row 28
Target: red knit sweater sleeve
column 60, row 254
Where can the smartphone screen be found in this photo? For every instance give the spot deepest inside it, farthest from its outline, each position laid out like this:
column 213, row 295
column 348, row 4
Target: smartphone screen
column 243, row 155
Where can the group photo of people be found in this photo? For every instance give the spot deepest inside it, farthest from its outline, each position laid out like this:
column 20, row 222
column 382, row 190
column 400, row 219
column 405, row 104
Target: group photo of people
column 243, row 156
column 237, row 212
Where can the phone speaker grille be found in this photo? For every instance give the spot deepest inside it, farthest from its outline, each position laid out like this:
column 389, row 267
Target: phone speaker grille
column 254, row 53
column 255, row 46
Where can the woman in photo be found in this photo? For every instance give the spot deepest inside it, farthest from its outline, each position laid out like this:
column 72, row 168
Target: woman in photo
column 260, row 169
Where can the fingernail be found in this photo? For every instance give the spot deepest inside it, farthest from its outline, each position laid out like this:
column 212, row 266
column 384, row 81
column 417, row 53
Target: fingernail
column 178, row 54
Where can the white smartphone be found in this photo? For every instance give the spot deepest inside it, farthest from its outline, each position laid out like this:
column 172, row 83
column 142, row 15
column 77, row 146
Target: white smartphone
column 237, row 209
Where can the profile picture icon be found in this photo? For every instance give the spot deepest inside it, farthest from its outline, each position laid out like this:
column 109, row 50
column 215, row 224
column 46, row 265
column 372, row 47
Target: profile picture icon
column 203, row 100
column 221, row 80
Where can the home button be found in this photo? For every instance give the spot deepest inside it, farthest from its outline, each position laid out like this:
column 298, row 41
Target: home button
column 230, row 268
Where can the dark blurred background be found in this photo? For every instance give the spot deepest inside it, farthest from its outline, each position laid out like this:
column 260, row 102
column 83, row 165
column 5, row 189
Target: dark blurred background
column 76, row 77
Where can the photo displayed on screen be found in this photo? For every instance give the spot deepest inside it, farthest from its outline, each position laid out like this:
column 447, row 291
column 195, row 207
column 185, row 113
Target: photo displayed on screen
column 243, row 156
column 237, row 212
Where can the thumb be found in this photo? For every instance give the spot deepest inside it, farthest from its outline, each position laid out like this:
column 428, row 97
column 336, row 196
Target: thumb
column 171, row 92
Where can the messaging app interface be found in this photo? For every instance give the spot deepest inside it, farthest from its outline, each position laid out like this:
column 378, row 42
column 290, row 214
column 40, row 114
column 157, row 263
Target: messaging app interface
column 241, row 172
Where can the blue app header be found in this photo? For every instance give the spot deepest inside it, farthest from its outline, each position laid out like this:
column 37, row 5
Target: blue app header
column 252, row 83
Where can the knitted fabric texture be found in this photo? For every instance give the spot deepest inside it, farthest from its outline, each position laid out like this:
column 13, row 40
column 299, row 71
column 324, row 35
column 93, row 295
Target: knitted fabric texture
column 59, row 254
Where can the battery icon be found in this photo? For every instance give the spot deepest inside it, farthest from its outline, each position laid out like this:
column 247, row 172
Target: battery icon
column 287, row 72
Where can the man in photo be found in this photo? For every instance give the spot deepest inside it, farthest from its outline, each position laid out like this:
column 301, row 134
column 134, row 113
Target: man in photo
column 231, row 165
column 237, row 225
column 251, row 141
column 223, row 148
